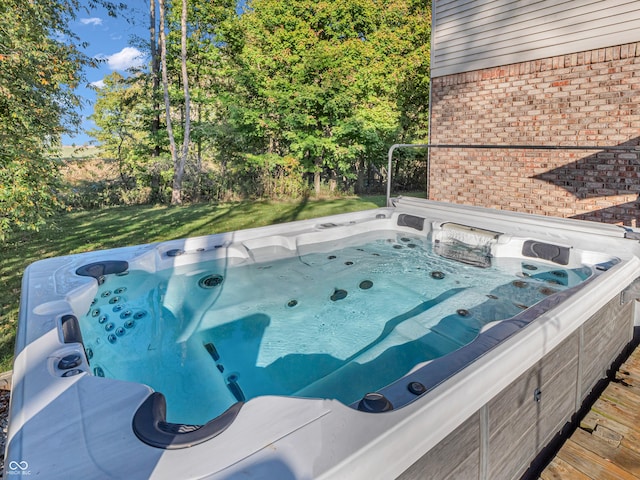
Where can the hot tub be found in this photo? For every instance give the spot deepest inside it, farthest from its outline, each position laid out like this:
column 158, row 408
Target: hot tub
column 423, row 339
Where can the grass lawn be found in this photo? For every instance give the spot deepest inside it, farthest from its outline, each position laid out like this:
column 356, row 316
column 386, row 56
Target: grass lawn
column 79, row 152
column 121, row 226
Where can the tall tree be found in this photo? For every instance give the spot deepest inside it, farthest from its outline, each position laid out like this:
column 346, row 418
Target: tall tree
column 40, row 64
column 119, row 114
column 176, row 195
column 37, row 74
column 179, row 157
column 165, row 85
column 208, row 72
column 155, row 77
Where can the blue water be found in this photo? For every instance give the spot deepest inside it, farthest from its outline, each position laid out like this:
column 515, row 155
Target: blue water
column 335, row 324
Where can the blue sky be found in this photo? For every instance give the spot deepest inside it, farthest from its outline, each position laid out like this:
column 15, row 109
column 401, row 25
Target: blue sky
column 113, row 40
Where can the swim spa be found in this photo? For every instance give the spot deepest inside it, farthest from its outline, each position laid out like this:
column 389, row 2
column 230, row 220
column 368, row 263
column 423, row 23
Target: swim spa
column 363, row 345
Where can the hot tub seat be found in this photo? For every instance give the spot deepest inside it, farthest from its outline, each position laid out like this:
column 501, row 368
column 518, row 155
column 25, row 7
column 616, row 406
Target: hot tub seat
column 150, row 425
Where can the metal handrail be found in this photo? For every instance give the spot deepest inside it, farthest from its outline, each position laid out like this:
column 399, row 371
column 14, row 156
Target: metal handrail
column 621, row 148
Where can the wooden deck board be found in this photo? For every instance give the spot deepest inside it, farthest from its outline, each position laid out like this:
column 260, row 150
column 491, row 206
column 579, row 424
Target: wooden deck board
column 619, row 412
column 620, row 394
column 629, row 381
column 591, row 464
column 630, row 436
column 631, row 371
column 635, row 355
column 558, row 469
column 607, row 443
column 622, row 457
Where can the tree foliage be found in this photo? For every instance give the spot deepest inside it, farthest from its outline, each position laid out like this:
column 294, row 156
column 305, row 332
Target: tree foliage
column 119, row 115
column 323, row 86
column 40, row 65
column 324, row 81
column 280, row 95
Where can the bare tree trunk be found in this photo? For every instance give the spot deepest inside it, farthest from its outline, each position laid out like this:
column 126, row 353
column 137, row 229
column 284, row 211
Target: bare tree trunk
column 165, row 86
column 178, row 173
column 333, row 181
column 155, row 73
column 155, row 124
column 361, row 172
column 199, row 154
column 316, row 176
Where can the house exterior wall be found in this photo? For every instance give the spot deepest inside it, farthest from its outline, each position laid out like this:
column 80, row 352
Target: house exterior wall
column 476, row 34
column 588, row 97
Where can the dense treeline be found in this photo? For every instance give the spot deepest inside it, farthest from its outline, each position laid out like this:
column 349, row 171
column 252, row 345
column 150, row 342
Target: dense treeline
column 281, row 99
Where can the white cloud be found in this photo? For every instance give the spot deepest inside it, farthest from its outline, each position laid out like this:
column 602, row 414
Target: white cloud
column 97, row 84
column 91, row 21
column 126, row 58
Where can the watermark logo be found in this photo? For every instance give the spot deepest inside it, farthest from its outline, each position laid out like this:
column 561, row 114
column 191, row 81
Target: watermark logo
column 18, row 468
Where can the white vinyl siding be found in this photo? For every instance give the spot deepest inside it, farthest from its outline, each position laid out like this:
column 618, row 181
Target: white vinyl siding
column 474, row 34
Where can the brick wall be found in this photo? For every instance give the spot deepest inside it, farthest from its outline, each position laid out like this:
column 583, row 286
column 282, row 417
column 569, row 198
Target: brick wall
column 590, row 97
